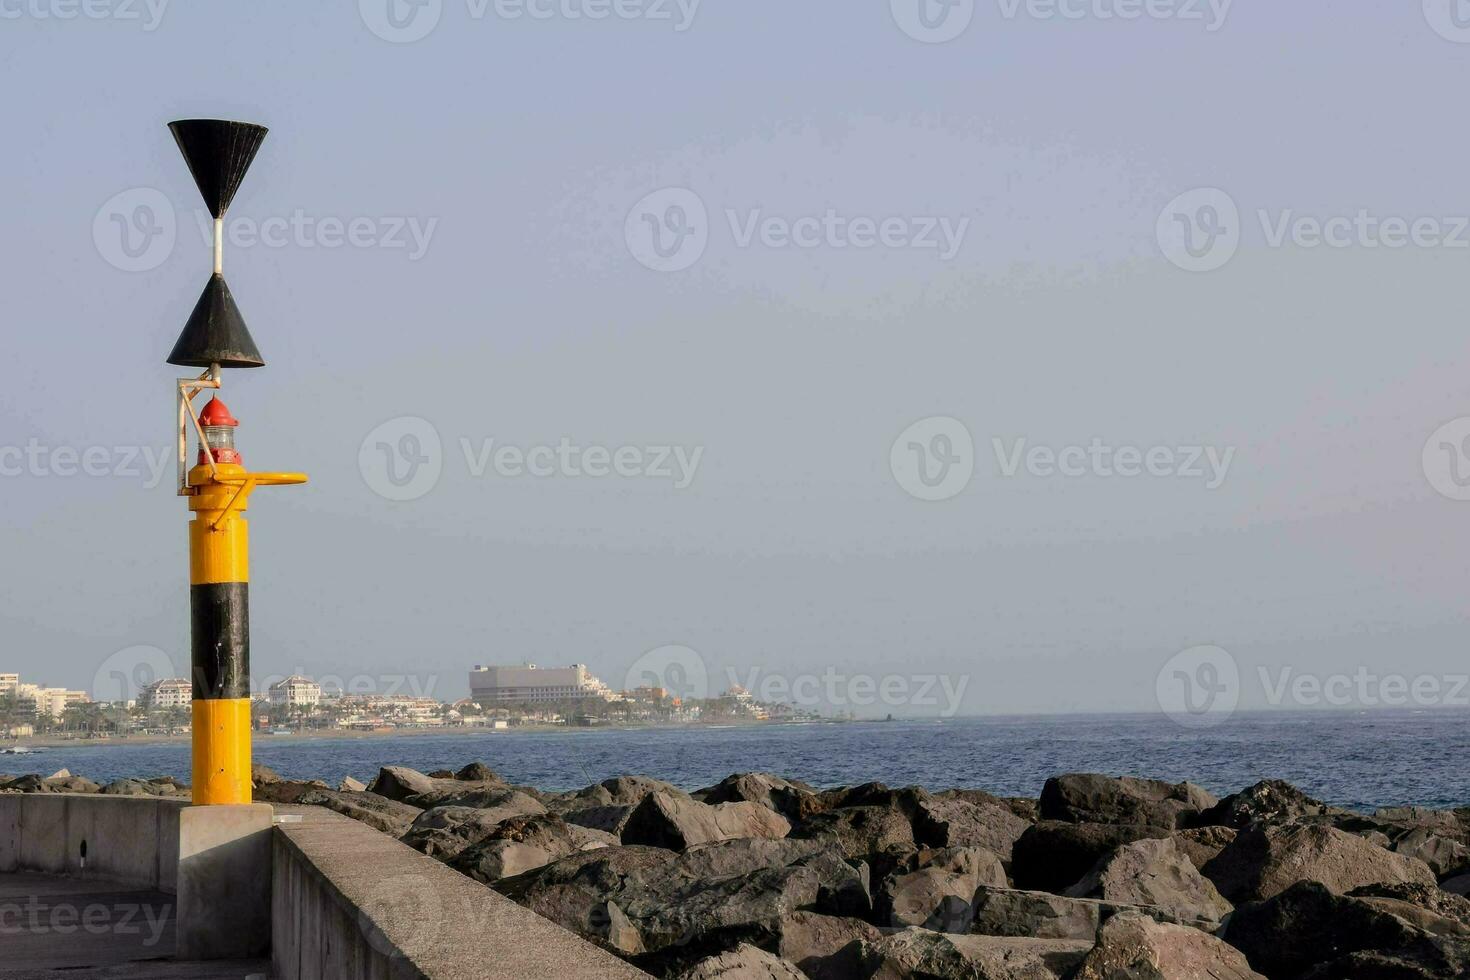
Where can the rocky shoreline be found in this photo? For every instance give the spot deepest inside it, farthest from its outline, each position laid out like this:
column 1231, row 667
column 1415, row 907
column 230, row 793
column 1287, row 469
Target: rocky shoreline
column 1102, row 878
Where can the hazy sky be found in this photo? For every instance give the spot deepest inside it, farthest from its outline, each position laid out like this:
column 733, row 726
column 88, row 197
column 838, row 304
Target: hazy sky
column 989, row 241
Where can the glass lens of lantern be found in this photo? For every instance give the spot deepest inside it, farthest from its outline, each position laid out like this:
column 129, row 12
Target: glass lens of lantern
column 220, row 436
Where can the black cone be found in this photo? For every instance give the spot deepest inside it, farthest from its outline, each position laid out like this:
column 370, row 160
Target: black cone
column 216, row 333
column 218, row 153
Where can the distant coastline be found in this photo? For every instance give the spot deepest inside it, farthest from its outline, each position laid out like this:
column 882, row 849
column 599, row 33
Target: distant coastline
column 315, row 734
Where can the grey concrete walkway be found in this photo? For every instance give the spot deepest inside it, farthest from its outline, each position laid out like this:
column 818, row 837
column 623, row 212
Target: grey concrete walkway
column 84, row 928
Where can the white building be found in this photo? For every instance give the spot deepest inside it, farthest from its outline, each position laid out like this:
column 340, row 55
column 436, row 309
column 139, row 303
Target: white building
column 529, row 683
column 8, row 684
column 171, row 692
column 50, row 702
column 296, row 692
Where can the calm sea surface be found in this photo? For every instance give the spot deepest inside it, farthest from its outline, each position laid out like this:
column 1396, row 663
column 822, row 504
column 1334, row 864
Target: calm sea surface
column 1356, row 760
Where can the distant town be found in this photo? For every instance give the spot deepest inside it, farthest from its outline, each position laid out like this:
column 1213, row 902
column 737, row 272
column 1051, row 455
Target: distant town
column 501, row 697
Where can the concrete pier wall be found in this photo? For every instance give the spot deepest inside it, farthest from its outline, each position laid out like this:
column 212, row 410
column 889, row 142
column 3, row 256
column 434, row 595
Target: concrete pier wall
column 350, row 902
column 131, row 839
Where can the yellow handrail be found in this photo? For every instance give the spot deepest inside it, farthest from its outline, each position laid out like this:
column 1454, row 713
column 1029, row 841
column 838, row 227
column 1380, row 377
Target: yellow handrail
column 247, row 482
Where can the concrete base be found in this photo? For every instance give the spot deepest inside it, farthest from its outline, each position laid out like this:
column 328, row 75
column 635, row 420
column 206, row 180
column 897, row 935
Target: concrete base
column 224, row 882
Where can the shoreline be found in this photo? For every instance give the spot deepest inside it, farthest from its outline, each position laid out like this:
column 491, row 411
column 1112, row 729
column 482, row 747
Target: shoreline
column 260, row 738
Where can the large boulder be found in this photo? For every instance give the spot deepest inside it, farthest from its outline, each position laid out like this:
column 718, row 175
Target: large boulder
column 924, row 955
column 444, row 831
column 1095, row 798
column 937, row 889
column 904, row 799
column 426, row 792
column 744, row 962
column 1397, row 822
column 794, row 801
column 678, row 822
column 521, row 844
column 1053, row 855
column 477, row 772
column 824, row 947
column 959, row 823
column 1270, row 801
column 710, row 912
column 260, row 775
column 389, row 816
column 862, row 832
column 843, row 888
column 626, row 791
column 1156, row 873
column 61, row 781
column 1042, row 915
column 679, row 910
column 287, row 790
column 1014, row 912
column 1307, row 925
column 610, row 819
column 145, row 787
column 1265, row 861
column 738, row 856
column 1445, row 856
column 1203, row 844
column 1132, row 946
column 401, row 782
column 1429, row 898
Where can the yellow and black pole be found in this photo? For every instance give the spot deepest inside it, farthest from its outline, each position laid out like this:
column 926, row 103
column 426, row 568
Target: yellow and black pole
column 218, row 486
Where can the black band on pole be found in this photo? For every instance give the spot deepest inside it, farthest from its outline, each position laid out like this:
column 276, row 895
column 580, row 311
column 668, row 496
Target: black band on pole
column 221, row 638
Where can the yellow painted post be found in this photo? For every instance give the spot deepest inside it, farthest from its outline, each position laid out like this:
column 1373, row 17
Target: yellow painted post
column 219, row 600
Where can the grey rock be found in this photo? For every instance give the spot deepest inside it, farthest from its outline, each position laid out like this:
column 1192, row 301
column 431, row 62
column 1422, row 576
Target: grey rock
column 444, row 831
column 744, row 962
column 1053, row 855
column 618, row 931
column 477, row 772
column 626, row 791
column 678, row 822
column 426, row 792
column 1155, row 873
column 1445, row 856
column 844, row 887
column 260, row 775
column 959, row 823
column 937, row 889
column 1427, row 897
column 925, row 955
column 738, row 856
column 680, row 911
column 520, row 844
column 609, row 819
column 861, row 832
column 1270, row 801
column 1013, row 912
column 1204, row 844
column 389, row 816
column 1132, row 946
column 824, row 947
column 400, row 782
column 1017, row 913
column 1307, row 925
column 1095, row 798
column 142, row 787
column 794, row 801
column 1265, row 861
column 287, row 790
